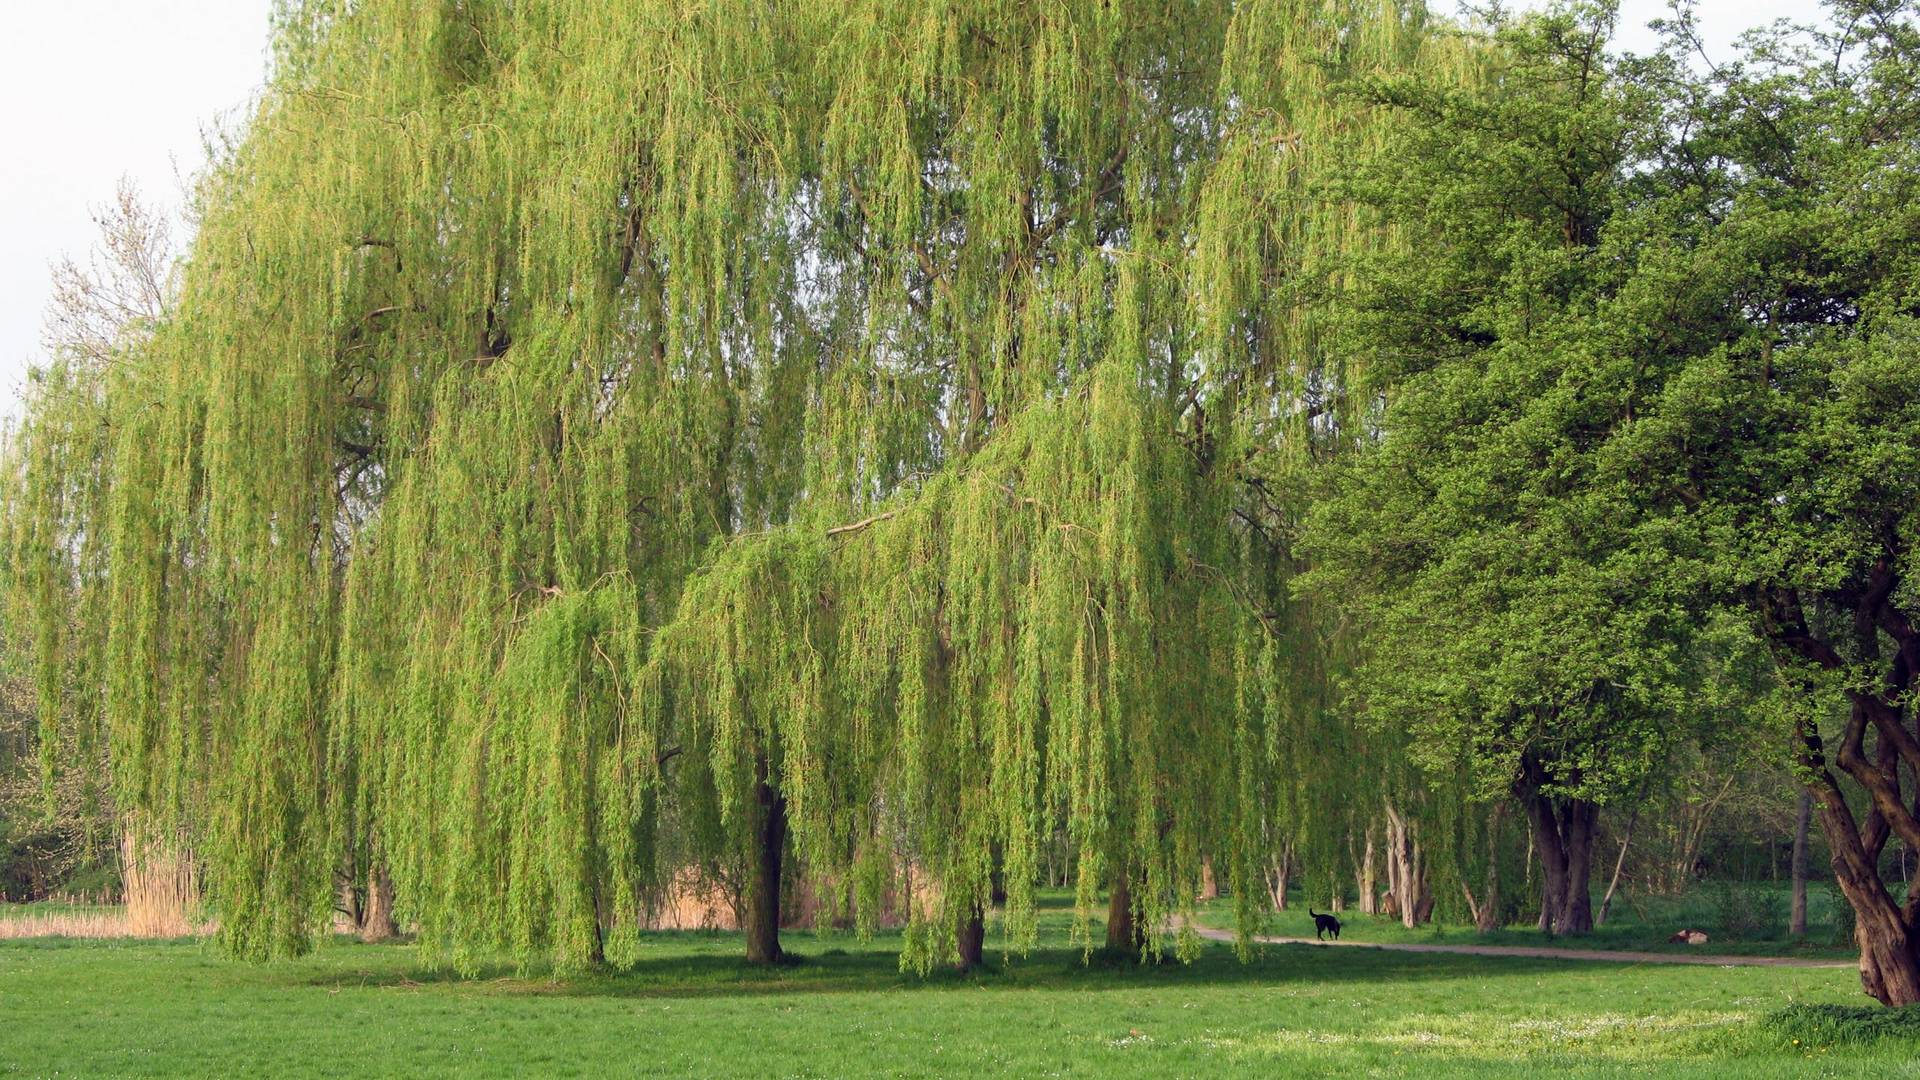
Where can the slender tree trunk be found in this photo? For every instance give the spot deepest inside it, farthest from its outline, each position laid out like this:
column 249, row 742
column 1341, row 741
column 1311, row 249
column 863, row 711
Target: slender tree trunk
column 1412, row 899
column 1369, row 886
column 1277, row 879
column 1487, row 919
column 762, row 922
column 971, row 939
column 378, row 924
column 1209, row 885
column 1619, row 863
column 1797, row 922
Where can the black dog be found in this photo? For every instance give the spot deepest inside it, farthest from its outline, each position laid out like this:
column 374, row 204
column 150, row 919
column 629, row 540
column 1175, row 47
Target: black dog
column 1324, row 923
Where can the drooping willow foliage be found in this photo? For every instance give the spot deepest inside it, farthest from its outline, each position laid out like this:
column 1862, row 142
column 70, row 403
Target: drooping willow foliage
column 576, row 414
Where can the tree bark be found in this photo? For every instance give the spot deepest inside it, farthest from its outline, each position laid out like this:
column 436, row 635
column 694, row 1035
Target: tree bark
column 1277, row 876
column 1553, row 860
column 1411, row 897
column 1562, row 831
column 762, row 922
column 1797, row 922
column 1576, row 907
column 1364, row 879
column 1619, row 863
column 1121, row 935
column 971, row 940
column 378, row 925
column 1883, row 927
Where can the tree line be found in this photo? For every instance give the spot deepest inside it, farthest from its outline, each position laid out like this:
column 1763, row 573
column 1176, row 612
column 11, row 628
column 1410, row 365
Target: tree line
column 1242, row 444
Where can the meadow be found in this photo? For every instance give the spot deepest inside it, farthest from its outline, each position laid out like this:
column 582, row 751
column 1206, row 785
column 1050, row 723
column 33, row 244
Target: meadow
column 692, row 1008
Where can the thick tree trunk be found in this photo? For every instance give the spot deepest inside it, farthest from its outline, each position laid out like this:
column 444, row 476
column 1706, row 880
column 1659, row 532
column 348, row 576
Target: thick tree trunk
column 1121, row 935
column 1553, row 861
column 971, row 939
column 1889, row 964
column 1209, row 885
column 1562, row 831
column 1797, row 921
column 762, row 921
column 1576, row 908
column 1883, row 927
column 378, row 925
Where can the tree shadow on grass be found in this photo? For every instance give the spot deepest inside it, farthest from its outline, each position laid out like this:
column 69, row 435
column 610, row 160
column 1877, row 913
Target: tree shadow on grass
column 698, row 964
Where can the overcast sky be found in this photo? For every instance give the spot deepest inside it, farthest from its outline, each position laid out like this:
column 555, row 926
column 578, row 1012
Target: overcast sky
column 97, row 89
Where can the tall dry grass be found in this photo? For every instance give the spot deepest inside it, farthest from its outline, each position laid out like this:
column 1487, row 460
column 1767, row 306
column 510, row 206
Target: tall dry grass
column 160, row 898
column 160, row 882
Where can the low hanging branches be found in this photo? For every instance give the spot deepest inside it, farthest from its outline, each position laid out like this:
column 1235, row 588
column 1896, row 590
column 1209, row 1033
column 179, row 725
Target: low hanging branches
column 1026, row 640
column 591, row 436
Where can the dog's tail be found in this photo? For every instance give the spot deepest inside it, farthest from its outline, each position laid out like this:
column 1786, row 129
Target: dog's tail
column 1312, row 912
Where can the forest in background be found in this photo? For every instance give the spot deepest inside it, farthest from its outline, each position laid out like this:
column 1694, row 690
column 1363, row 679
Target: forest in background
column 931, row 452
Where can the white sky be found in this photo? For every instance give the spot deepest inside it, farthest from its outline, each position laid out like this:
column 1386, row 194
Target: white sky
column 97, row 89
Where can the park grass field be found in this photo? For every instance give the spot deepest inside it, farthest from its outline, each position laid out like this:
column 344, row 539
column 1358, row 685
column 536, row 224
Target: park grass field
column 1643, row 924
column 691, row 1008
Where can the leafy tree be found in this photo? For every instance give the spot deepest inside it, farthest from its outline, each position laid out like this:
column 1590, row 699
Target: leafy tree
column 534, row 358
column 1654, row 366
column 1510, row 611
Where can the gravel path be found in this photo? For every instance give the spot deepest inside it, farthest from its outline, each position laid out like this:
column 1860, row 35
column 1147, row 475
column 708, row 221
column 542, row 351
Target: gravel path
column 1548, row 953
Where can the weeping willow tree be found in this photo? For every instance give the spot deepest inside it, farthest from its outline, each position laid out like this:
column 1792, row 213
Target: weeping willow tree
column 593, row 433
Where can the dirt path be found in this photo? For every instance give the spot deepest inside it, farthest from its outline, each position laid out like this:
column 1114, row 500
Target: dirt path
column 1542, row 952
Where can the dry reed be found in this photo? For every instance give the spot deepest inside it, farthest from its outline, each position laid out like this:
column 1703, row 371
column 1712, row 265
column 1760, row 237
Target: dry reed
column 160, row 898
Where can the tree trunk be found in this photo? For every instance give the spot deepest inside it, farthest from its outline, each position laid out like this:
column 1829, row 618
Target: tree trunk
column 971, row 940
column 1209, row 885
column 1365, row 880
column 1619, row 863
column 1277, row 876
column 1121, row 935
column 1576, row 908
column 378, row 924
column 762, row 921
column 1797, row 922
column 1487, row 919
column 1411, row 897
column 1889, row 964
column 350, row 906
column 1563, row 835
column 1553, row 860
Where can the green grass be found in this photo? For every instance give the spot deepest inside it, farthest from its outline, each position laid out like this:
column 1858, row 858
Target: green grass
column 1644, row 925
column 692, row 1008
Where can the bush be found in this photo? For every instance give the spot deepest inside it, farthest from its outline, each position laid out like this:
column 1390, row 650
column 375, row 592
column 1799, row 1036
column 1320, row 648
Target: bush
column 1748, row 912
column 1841, row 1025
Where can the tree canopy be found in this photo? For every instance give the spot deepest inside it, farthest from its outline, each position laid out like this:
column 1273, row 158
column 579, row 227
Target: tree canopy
column 1650, row 410
column 485, row 513
column 590, row 442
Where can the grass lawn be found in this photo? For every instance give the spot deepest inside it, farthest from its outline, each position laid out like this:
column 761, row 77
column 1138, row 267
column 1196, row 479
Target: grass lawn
column 1641, row 924
column 691, row 1008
